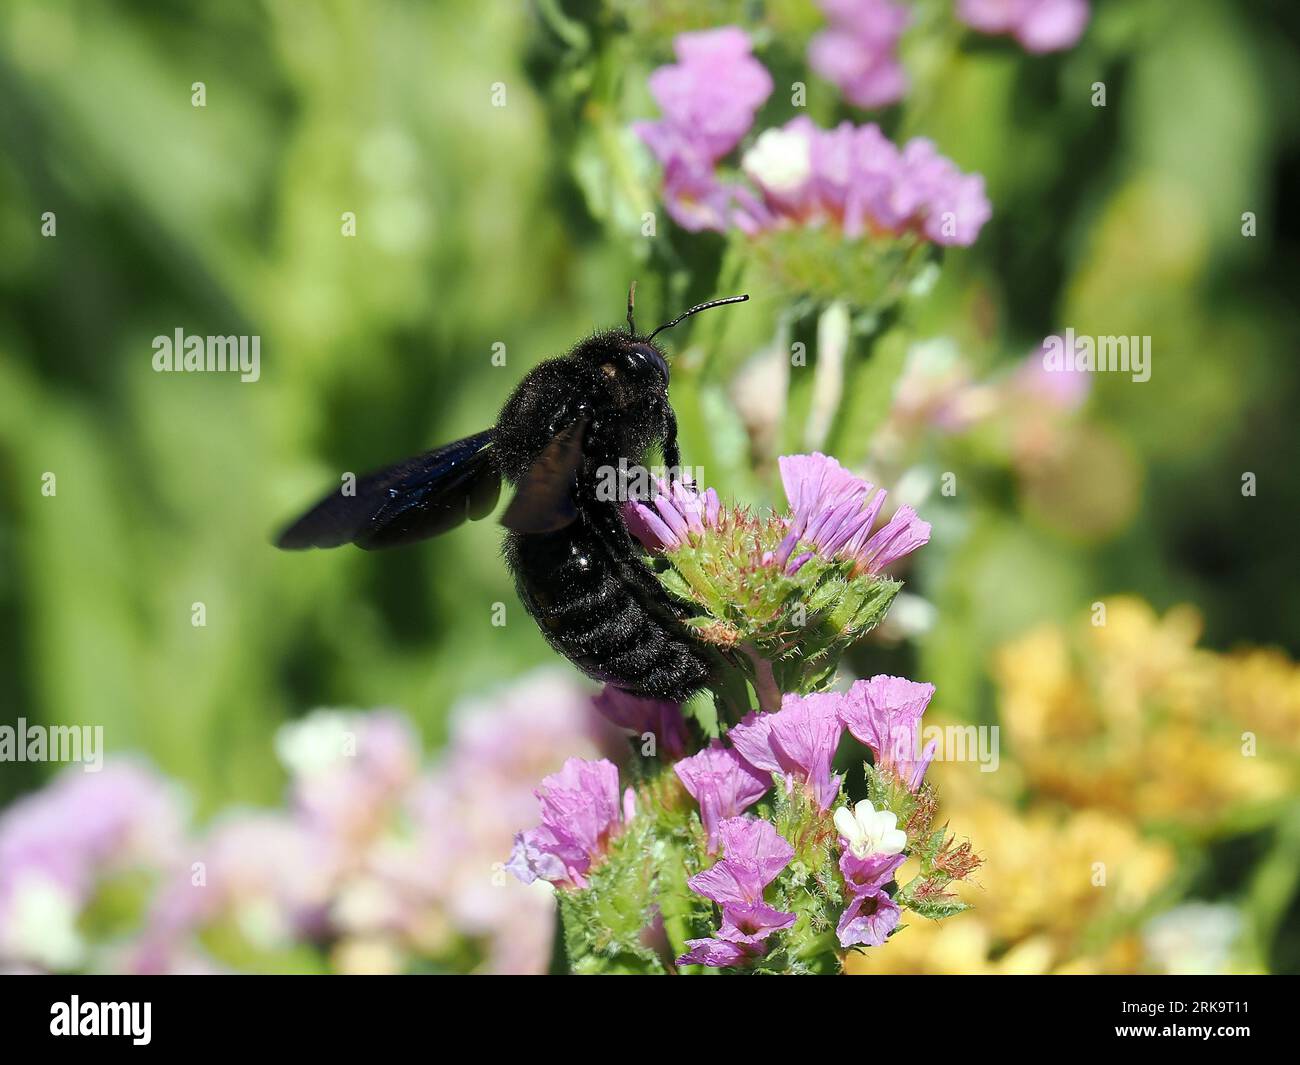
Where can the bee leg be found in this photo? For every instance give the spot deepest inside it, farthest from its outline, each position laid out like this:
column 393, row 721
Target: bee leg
column 567, row 415
column 672, row 453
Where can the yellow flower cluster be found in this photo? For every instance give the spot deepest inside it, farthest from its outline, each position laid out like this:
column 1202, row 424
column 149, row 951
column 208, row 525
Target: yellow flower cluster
column 1114, row 729
column 1056, row 893
column 1124, row 713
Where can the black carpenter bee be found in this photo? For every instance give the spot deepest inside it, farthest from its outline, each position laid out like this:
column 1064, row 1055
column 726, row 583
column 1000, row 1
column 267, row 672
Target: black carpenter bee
column 569, row 422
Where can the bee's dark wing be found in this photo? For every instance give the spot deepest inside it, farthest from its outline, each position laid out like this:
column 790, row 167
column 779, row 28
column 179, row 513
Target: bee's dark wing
column 413, row 500
column 543, row 500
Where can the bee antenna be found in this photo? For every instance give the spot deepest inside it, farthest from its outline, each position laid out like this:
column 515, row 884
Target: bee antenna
column 631, row 298
column 696, row 310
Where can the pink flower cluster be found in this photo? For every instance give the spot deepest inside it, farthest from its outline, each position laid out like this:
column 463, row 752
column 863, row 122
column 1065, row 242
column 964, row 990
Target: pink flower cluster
column 59, row 844
column 858, row 52
column 855, row 177
column 831, row 510
column 753, row 855
column 1039, row 25
column 798, row 743
column 851, row 176
column 708, row 99
column 835, row 511
column 871, row 913
column 377, row 858
column 581, row 812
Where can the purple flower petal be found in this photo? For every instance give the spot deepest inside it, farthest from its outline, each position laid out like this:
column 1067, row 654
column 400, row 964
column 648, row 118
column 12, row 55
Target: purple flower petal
column 752, row 922
column 834, row 511
column 752, row 737
column 687, row 502
column 869, row 874
column 581, row 809
column 712, row 508
column 798, row 740
column 723, row 783
column 815, row 484
column 796, row 564
column 716, row 953
column 660, row 717
column 885, row 714
column 868, row 920
column 644, row 523
column 672, row 517
column 903, row 534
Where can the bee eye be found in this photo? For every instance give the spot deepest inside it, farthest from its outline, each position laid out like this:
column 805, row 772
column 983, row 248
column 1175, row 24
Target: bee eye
column 646, row 354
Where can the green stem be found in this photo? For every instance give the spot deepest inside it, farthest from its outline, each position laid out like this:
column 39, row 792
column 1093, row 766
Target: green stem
column 769, row 692
column 559, row 964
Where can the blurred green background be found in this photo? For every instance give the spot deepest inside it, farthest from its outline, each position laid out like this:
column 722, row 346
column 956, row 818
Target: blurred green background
column 517, row 225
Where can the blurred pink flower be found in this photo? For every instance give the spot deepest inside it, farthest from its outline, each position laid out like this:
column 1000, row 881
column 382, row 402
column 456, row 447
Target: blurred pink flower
column 708, row 99
column 950, row 206
column 803, row 174
column 710, row 95
column 1064, row 388
column 448, row 873
column 659, row 717
column 349, row 770
column 84, row 824
column 858, row 52
column 1039, row 25
column 855, row 176
column 264, row 870
column 371, row 856
column 59, row 844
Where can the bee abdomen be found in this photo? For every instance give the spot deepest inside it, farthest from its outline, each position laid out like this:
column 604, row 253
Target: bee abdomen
column 619, row 631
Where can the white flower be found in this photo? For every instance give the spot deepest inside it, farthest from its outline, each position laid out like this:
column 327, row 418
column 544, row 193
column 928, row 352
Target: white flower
column 780, row 161
column 869, row 832
column 40, row 924
column 1196, row 938
column 316, row 743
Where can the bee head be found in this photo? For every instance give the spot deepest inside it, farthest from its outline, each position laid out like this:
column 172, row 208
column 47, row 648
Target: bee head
column 631, row 369
column 632, row 366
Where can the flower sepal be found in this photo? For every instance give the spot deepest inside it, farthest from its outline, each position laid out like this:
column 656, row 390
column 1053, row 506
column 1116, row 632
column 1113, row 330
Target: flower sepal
column 887, row 791
column 603, row 922
column 800, row 623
